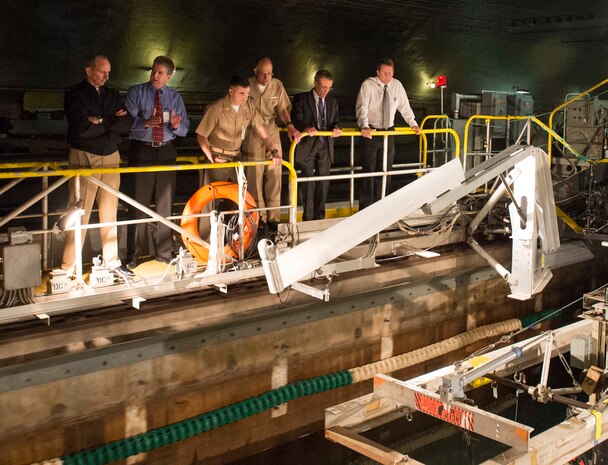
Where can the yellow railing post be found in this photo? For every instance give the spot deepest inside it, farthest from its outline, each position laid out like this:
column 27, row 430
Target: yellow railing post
column 423, row 141
column 351, row 132
column 563, row 105
column 539, row 123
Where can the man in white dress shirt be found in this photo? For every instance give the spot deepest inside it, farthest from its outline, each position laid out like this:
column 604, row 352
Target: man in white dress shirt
column 379, row 99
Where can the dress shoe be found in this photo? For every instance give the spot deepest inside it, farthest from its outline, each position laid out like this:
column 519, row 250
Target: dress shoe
column 166, row 260
column 70, row 272
column 123, row 271
column 273, row 226
column 262, row 230
column 134, row 263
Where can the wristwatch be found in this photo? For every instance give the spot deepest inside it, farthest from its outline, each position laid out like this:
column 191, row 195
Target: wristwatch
column 274, row 152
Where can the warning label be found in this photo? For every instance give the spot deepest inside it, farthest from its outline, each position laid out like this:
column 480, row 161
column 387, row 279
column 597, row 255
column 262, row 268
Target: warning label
column 445, row 412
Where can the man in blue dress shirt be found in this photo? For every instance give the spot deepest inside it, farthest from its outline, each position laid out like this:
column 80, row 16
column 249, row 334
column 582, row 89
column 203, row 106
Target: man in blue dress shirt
column 159, row 117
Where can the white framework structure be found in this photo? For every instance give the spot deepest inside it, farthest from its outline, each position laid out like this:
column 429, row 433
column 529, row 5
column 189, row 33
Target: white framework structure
column 393, row 398
column 525, row 176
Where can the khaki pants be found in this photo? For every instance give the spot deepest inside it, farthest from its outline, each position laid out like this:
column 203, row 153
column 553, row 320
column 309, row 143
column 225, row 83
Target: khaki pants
column 263, row 182
column 107, row 204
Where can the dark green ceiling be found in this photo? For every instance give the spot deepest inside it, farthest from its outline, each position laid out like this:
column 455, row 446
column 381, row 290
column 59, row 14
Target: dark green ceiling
column 550, row 48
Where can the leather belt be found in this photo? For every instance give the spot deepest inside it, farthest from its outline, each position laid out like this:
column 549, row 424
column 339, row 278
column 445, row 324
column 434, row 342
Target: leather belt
column 225, row 152
column 382, row 129
column 154, row 144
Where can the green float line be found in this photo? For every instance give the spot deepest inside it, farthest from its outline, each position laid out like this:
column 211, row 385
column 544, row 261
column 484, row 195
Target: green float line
column 160, row 437
column 531, row 320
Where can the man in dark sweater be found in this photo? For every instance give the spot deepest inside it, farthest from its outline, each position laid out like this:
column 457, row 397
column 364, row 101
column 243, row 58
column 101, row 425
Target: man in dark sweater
column 96, row 117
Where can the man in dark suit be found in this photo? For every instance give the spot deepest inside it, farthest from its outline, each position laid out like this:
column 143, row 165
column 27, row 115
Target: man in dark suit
column 311, row 112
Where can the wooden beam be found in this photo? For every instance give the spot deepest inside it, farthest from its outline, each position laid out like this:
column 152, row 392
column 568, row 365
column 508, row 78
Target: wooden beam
column 367, row 447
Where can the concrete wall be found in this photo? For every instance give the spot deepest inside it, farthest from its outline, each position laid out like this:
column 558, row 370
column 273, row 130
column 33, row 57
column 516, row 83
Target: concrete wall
column 396, row 308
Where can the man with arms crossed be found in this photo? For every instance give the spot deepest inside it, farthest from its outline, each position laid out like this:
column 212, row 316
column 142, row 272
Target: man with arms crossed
column 96, row 117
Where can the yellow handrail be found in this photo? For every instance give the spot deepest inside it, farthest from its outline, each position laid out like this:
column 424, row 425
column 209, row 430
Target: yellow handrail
column 559, row 107
column 428, row 117
column 69, row 173
column 132, row 169
column 488, row 118
column 57, row 164
column 556, row 136
column 423, row 141
column 354, row 132
column 396, row 132
column 440, row 131
column 563, row 216
column 569, row 221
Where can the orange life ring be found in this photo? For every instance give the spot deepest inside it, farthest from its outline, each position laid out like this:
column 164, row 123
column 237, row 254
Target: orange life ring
column 206, row 194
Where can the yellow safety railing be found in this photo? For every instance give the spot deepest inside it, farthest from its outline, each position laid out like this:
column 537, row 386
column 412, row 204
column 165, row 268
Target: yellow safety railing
column 439, row 131
column 139, row 169
column 429, row 117
column 563, row 105
column 7, row 172
column 19, row 171
column 560, row 213
column 533, row 119
column 56, row 165
column 356, row 133
column 569, row 221
column 350, row 132
column 422, row 148
column 487, row 119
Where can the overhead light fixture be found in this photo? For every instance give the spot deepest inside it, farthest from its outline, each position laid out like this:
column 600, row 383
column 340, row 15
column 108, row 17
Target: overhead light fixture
column 520, row 90
column 68, row 219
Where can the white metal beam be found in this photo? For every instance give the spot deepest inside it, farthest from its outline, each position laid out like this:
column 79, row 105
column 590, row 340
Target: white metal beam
column 559, row 444
column 302, row 260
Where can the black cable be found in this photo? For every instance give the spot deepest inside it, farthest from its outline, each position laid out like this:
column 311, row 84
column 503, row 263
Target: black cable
column 232, row 229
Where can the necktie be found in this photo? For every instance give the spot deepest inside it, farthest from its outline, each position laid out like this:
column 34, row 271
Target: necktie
column 158, row 132
column 386, row 109
column 321, row 114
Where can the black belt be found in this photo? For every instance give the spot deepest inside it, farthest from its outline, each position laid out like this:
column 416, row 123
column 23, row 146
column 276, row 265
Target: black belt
column 154, row 144
column 382, row 129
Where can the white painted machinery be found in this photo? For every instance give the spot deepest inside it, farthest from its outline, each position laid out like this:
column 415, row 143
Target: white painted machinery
column 523, row 174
